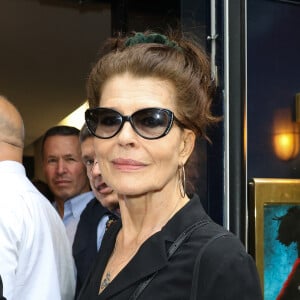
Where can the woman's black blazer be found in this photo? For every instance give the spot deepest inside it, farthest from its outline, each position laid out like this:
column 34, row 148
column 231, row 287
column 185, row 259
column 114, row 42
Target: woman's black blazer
column 226, row 271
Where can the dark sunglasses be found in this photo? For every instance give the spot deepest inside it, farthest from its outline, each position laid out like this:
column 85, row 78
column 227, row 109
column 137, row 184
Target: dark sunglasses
column 149, row 123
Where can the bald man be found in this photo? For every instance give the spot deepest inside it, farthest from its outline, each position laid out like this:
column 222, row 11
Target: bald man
column 35, row 255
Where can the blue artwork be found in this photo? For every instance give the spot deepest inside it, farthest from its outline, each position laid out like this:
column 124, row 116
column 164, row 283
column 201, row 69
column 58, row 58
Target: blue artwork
column 280, row 252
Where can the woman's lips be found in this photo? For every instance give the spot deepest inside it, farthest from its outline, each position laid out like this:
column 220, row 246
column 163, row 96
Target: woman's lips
column 127, row 164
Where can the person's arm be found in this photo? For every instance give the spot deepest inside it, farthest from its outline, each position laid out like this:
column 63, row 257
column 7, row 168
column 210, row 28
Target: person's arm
column 227, row 272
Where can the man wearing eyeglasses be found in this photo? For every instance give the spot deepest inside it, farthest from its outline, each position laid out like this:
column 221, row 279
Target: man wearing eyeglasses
column 97, row 214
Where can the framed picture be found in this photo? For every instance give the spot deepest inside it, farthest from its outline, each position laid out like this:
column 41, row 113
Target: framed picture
column 274, row 235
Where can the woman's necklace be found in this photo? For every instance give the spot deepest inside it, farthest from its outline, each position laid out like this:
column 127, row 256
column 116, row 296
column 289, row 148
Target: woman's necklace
column 105, row 282
column 115, row 262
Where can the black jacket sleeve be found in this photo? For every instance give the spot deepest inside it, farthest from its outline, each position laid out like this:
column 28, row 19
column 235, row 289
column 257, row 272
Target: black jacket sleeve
column 230, row 272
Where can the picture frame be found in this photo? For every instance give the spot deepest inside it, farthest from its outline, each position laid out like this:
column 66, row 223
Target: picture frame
column 272, row 203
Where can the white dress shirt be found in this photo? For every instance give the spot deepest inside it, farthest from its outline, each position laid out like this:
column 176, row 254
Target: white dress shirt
column 35, row 255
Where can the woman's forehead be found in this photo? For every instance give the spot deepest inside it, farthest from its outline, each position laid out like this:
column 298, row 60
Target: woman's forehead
column 128, row 91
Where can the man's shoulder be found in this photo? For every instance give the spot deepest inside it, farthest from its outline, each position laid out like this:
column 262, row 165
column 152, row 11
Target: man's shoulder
column 94, row 208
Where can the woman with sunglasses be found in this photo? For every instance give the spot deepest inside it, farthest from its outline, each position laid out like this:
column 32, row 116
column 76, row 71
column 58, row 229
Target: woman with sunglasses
column 149, row 97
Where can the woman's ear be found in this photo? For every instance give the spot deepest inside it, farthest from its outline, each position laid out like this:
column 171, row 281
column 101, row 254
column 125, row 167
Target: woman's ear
column 187, row 145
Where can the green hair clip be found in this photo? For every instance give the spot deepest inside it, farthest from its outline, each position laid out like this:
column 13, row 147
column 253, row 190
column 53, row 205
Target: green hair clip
column 140, row 38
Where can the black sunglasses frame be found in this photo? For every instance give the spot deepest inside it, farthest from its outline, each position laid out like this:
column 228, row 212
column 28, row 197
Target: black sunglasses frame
column 89, row 112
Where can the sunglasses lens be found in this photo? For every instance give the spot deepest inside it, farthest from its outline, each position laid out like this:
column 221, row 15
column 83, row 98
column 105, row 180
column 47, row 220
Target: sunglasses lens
column 103, row 123
column 109, row 123
column 151, row 123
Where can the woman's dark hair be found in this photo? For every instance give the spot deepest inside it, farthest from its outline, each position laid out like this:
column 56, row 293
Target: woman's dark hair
column 172, row 57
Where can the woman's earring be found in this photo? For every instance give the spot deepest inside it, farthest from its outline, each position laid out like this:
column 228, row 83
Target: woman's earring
column 182, row 181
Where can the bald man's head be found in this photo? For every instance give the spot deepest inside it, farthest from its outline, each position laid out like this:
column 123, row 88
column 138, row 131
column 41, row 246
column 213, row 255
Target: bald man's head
column 11, row 125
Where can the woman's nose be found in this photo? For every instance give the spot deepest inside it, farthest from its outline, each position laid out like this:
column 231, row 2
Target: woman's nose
column 127, row 135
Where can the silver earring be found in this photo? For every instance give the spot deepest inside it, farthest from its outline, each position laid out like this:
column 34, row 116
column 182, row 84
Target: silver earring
column 182, row 181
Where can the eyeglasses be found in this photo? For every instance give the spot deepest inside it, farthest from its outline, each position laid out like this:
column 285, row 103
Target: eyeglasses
column 149, row 123
column 90, row 164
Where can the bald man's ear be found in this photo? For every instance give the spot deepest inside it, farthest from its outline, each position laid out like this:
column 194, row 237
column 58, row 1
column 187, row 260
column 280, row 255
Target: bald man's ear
column 187, row 145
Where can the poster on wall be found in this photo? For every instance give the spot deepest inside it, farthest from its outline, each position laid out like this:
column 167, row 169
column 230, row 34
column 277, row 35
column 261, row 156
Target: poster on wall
column 274, row 235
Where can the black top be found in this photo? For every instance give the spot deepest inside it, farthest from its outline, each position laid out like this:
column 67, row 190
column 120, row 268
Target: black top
column 226, row 271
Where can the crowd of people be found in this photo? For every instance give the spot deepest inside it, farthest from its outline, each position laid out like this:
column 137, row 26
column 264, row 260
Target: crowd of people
column 120, row 223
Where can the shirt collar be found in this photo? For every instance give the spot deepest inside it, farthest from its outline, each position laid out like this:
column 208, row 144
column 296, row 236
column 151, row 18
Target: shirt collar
column 77, row 204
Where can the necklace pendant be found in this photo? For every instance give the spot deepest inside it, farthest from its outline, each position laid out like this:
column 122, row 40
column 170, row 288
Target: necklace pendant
column 105, row 282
